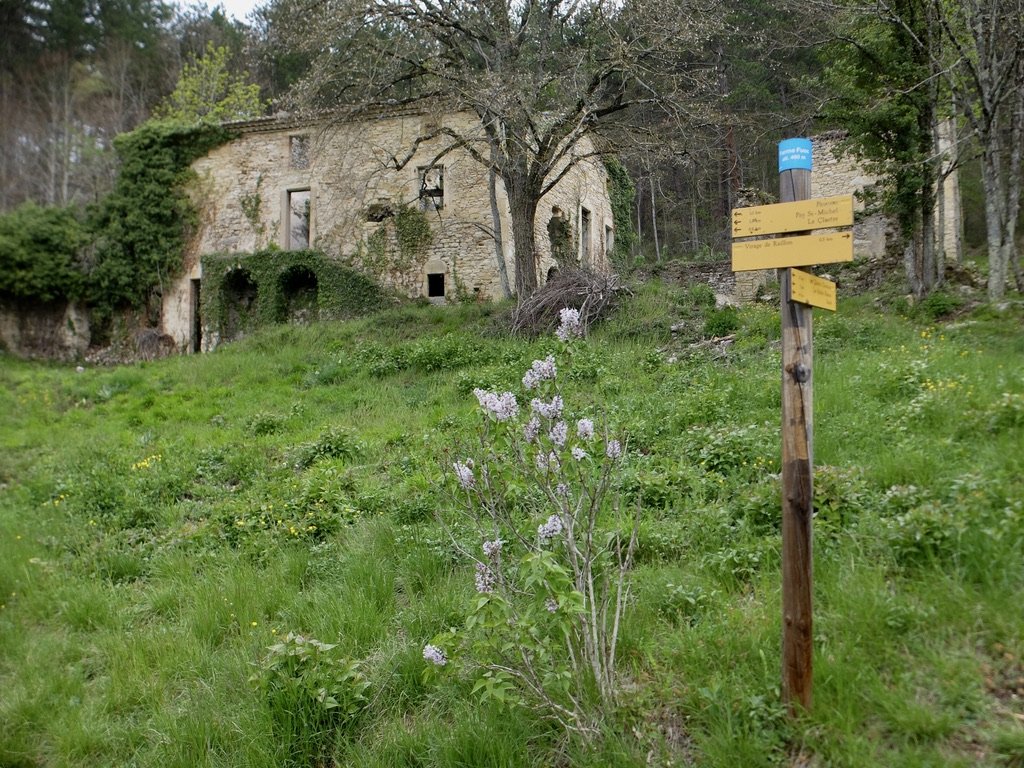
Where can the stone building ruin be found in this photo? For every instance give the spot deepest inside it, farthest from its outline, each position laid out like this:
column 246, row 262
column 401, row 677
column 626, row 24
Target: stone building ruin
column 343, row 189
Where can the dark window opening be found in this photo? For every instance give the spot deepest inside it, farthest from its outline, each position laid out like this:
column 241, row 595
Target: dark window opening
column 196, row 342
column 298, row 149
column 298, row 294
column 435, row 285
column 298, row 220
column 240, row 296
column 431, row 188
column 377, row 212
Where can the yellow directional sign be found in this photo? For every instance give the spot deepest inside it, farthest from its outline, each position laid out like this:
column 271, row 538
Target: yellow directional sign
column 810, row 289
column 818, row 213
column 801, row 251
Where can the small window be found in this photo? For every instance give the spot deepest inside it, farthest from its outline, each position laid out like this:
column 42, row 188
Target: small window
column 298, row 147
column 435, row 285
column 431, row 188
column 609, row 241
column 298, row 220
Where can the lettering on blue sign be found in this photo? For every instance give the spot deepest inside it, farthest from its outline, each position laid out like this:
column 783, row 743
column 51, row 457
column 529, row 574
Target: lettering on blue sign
column 795, row 154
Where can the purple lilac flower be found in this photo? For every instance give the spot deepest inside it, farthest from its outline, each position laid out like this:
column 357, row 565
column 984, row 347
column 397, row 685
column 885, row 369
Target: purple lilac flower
column 485, row 579
column 569, row 325
column 551, row 604
column 550, row 529
column 613, row 450
column 578, row 453
column 464, row 472
column 552, row 410
column 434, row 655
column 562, row 489
column 502, row 406
column 542, row 461
column 541, row 370
column 492, row 548
column 585, row 429
column 531, row 429
column 559, row 432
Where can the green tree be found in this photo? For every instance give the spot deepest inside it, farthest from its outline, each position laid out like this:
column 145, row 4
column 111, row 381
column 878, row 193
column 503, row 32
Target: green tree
column 208, row 92
column 884, row 93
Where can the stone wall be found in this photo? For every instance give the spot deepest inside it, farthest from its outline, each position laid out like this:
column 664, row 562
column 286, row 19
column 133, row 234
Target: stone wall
column 836, row 174
column 357, row 175
column 53, row 331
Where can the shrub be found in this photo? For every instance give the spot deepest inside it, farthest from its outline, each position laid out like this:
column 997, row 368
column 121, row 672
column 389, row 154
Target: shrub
column 313, row 692
column 39, row 254
column 555, row 547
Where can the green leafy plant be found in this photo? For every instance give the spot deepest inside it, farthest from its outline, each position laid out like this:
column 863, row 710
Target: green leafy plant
column 39, row 254
column 314, row 694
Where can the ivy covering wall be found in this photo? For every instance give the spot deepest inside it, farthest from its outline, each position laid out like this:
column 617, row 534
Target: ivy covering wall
column 622, row 192
column 241, row 292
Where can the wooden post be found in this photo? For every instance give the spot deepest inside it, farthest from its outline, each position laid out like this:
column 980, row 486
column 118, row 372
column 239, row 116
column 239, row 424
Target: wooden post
column 797, row 476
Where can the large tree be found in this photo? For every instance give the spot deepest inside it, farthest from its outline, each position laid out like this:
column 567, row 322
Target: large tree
column 541, row 75
column 968, row 54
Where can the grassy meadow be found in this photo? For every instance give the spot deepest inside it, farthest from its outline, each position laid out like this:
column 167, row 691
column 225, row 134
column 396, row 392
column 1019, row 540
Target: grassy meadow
column 164, row 525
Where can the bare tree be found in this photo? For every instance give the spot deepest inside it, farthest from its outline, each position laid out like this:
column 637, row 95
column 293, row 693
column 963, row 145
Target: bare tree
column 541, row 75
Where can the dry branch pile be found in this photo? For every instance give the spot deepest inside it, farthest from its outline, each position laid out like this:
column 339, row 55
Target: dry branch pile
column 592, row 293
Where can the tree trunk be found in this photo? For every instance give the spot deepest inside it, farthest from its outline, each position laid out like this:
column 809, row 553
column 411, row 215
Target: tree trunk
column 523, row 207
column 499, row 240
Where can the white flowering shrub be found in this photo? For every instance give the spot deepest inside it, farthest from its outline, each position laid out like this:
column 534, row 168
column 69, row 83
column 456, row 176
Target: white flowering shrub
column 554, row 548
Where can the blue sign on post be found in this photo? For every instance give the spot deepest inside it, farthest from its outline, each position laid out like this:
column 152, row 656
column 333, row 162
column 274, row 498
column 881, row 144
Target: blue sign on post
column 795, row 154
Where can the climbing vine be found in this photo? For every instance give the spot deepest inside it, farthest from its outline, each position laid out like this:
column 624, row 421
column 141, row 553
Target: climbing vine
column 622, row 192
column 398, row 246
column 339, row 290
column 141, row 227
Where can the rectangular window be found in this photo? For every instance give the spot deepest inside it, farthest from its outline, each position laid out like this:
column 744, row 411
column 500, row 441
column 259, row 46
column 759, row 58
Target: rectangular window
column 431, row 188
column 298, row 220
column 298, row 150
column 435, row 285
column 609, row 241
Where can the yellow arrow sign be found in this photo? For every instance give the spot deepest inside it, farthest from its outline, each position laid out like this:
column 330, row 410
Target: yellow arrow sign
column 802, row 251
column 811, row 289
column 818, row 213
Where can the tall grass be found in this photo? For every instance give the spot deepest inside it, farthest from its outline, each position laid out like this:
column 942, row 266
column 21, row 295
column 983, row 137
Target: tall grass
column 163, row 525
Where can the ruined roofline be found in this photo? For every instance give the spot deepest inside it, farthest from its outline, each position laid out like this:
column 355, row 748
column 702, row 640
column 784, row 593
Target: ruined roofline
column 282, row 121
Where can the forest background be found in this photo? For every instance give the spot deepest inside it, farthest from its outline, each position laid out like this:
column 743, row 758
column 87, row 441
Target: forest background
column 76, row 74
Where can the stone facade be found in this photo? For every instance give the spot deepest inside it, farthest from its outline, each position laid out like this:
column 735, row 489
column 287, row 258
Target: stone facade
column 291, row 184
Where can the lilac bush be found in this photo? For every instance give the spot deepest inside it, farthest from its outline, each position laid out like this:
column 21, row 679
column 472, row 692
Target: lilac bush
column 539, row 488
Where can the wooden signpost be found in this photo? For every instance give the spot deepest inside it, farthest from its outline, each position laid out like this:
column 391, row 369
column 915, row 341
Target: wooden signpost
column 797, row 213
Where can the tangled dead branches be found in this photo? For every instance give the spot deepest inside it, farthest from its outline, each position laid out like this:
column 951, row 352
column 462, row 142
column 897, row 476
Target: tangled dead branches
column 592, row 293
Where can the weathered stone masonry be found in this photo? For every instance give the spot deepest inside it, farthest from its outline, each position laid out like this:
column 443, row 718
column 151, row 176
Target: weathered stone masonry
column 353, row 177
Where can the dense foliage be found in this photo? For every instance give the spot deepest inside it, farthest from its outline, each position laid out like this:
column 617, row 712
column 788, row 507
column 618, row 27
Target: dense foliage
column 281, row 284
column 40, row 254
column 141, row 227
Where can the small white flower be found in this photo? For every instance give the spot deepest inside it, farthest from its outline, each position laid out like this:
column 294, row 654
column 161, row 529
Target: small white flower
column 550, row 529
column 613, row 450
column 585, row 429
column 578, row 453
column 558, row 434
column 434, row 655
column 464, row 473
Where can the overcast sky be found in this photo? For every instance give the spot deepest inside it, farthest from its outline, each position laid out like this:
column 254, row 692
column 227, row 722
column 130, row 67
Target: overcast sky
column 238, row 9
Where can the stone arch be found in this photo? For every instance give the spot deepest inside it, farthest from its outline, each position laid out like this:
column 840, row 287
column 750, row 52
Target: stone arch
column 298, row 291
column 552, row 273
column 240, row 294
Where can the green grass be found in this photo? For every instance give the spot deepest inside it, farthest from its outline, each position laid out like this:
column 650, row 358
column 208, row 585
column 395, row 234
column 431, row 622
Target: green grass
column 163, row 524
